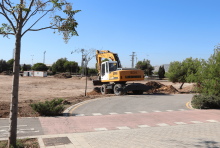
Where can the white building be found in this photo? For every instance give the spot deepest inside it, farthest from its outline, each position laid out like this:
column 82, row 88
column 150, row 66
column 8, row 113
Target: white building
column 34, row 74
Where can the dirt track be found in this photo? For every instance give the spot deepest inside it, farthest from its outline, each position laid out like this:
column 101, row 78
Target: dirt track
column 50, row 88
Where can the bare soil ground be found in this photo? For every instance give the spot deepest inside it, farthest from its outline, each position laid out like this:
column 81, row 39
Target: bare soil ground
column 34, row 89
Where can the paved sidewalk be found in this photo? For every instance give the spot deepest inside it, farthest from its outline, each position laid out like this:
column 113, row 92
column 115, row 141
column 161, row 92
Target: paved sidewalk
column 205, row 135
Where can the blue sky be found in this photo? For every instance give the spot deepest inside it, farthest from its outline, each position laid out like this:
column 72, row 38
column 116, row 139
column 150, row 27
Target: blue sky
column 167, row 31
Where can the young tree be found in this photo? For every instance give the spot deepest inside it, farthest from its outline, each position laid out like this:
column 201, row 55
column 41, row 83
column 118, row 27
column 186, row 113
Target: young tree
column 145, row 66
column 179, row 71
column 39, row 67
column 17, row 15
column 161, row 72
column 207, row 76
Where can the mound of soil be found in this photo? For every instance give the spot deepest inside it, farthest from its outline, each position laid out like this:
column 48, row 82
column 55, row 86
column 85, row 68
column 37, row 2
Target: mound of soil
column 62, row 76
column 4, row 73
column 84, row 78
column 96, row 91
column 158, row 87
column 24, row 110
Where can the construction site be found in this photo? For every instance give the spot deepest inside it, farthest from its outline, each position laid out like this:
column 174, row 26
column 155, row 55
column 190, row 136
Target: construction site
column 72, row 89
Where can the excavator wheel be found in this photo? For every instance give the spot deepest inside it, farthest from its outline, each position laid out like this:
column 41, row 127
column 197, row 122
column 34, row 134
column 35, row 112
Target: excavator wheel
column 118, row 93
column 103, row 89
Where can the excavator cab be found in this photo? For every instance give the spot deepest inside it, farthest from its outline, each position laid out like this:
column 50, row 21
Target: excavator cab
column 106, row 68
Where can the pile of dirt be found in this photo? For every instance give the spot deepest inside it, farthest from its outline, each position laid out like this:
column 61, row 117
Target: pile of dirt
column 62, row 76
column 24, row 110
column 84, row 78
column 158, row 87
column 5, row 73
column 96, row 91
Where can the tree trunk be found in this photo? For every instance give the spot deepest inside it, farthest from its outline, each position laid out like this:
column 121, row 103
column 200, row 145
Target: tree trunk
column 181, row 86
column 15, row 85
column 86, row 82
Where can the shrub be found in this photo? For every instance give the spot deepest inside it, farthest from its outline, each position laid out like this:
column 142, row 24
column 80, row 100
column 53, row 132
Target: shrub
column 205, row 101
column 48, row 108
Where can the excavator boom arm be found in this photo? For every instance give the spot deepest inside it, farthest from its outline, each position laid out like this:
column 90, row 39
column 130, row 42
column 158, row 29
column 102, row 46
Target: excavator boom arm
column 106, row 54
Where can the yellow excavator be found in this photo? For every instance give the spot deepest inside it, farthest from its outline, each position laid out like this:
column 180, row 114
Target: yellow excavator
column 112, row 77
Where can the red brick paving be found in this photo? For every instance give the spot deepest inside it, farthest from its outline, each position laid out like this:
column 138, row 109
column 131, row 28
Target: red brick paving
column 75, row 124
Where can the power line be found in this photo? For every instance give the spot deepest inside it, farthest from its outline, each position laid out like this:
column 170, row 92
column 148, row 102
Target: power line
column 176, row 53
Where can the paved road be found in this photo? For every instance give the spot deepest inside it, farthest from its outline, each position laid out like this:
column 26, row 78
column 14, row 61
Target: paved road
column 134, row 104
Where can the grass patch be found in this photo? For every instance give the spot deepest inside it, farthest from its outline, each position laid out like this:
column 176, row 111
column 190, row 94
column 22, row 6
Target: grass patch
column 22, row 143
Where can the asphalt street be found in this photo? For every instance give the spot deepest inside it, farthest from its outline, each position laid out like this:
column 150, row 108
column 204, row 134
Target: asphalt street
column 134, row 104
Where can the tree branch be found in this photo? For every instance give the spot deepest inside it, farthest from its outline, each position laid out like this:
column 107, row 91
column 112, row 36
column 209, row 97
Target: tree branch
column 4, row 6
column 29, row 9
column 2, row 13
column 13, row 12
column 7, row 33
column 35, row 23
column 8, row 19
column 42, row 28
column 34, row 12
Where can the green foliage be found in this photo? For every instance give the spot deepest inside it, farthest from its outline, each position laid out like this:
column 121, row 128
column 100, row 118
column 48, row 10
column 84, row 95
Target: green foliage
column 179, row 71
column 48, row 108
column 4, row 66
column 68, row 65
column 26, row 67
column 10, row 63
column 85, row 70
column 205, row 101
column 166, row 74
column 50, row 68
column 39, row 67
column 156, row 73
column 92, row 71
column 58, row 66
column 5, row 29
column 145, row 66
column 208, row 75
column 161, row 72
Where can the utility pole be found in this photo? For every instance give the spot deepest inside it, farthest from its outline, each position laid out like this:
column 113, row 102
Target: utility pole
column 132, row 59
column 32, row 59
column 82, row 64
column 44, row 56
column 148, row 66
column 136, row 59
